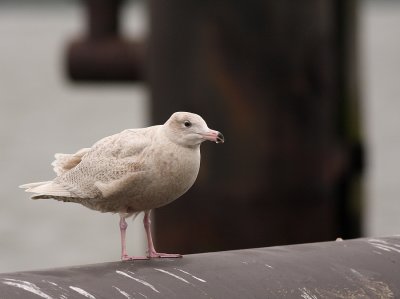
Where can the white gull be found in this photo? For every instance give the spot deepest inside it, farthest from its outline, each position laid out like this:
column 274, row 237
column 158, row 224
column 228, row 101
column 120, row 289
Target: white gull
column 133, row 171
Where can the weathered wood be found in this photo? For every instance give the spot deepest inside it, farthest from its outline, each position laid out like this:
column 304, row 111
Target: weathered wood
column 364, row 268
column 270, row 76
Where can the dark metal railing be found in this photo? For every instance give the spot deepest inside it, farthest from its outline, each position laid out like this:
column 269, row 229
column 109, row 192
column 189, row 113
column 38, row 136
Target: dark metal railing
column 360, row 268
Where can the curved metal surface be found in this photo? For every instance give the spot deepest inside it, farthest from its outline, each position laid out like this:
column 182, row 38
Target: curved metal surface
column 361, row 268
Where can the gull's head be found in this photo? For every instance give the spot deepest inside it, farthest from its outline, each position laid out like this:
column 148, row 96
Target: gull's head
column 189, row 129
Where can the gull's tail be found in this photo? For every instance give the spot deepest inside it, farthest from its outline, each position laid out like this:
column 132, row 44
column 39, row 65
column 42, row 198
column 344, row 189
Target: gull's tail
column 47, row 189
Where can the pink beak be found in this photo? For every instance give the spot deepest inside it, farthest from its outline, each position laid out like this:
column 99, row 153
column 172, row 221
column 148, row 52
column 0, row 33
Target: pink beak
column 214, row 136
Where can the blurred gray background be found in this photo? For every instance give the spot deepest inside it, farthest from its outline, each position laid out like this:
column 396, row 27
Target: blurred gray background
column 46, row 233
column 40, row 234
column 379, row 45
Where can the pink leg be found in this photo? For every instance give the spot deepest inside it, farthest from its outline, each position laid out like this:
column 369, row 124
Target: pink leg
column 151, row 252
column 124, row 256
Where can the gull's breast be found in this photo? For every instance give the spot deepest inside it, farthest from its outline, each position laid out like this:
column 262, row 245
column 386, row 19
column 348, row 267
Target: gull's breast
column 174, row 173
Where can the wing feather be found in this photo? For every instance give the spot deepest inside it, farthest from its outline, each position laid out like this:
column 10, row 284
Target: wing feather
column 97, row 172
column 65, row 162
column 110, row 160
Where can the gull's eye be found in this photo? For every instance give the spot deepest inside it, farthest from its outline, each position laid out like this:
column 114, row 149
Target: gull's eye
column 187, row 124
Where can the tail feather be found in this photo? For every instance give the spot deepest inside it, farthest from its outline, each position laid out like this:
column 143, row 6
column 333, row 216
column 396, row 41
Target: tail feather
column 31, row 185
column 47, row 189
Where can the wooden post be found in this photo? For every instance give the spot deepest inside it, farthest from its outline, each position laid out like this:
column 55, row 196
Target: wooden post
column 271, row 76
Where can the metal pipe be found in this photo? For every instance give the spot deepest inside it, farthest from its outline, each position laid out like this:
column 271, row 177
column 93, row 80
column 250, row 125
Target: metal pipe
column 360, row 268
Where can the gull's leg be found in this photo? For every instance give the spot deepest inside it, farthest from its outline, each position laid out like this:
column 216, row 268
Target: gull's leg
column 151, row 252
column 124, row 256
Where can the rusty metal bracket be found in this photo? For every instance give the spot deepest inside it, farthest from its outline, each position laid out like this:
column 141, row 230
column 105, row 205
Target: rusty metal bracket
column 102, row 54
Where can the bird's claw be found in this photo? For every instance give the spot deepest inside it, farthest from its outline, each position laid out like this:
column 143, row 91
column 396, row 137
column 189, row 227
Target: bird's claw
column 133, row 258
column 163, row 255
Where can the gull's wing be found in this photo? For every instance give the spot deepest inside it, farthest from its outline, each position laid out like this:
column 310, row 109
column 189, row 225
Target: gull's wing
column 65, row 162
column 62, row 164
column 110, row 160
column 95, row 172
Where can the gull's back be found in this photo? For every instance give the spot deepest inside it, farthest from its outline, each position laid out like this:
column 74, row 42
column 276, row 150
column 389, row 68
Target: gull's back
column 108, row 160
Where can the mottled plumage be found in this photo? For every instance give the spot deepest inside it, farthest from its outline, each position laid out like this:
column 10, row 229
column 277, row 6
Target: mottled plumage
column 133, row 171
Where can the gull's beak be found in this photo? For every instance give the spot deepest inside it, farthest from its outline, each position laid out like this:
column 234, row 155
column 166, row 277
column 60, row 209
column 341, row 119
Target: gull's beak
column 213, row 135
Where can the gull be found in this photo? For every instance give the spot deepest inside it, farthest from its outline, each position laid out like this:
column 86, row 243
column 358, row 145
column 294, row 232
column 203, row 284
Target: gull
column 134, row 171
